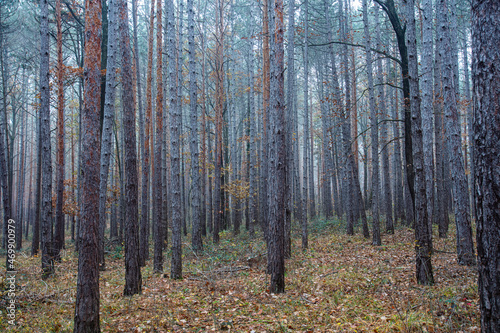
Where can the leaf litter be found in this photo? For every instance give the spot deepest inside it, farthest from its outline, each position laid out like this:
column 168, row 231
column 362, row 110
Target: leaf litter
column 340, row 284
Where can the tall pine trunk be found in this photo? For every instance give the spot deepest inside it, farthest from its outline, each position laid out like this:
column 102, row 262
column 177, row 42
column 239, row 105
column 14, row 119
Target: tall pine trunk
column 46, row 158
column 158, row 209
column 373, row 130
column 219, row 108
column 133, row 281
column 427, row 109
column 195, row 167
column 386, row 181
column 175, row 142
column 277, row 153
column 465, row 246
column 423, row 237
column 108, row 121
column 59, row 227
column 87, row 288
column 486, row 92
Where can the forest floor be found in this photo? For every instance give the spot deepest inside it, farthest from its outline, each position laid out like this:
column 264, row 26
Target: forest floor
column 340, row 284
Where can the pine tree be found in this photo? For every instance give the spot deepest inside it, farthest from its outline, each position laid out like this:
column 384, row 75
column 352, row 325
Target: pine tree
column 87, row 288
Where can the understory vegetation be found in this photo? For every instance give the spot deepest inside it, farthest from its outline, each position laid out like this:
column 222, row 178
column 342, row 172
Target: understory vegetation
column 340, row 284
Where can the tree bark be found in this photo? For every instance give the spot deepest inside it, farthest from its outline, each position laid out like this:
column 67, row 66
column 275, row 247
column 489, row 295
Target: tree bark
column 219, row 108
column 133, row 280
column 427, row 109
column 423, row 237
column 175, row 142
column 277, row 154
column 389, row 7
column 107, row 125
column 87, row 294
column 46, row 158
column 158, row 209
column 386, row 181
column 252, row 183
column 35, row 241
column 327, row 167
column 144, row 125
column 376, row 240
column 195, row 163
column 441, row 209
column 294, row 197
column 486, row 157
column 59, row 232
column 465, row 246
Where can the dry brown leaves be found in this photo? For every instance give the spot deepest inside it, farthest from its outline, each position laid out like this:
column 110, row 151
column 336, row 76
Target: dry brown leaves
column 341, row 284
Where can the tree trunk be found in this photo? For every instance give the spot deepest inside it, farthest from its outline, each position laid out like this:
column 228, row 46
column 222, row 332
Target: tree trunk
column 294, row 197
column 389, row 7
column 4, row 172
column 175, row 141
column 144, row 126
column 195, row 163
column 253, row 184
column 264, row 167
column 21, row 174
column 206, row 204
column 133, row 280
column 219, row 108
column 423, row 237
column 397, row 162
column 441, row 210
column 46, row 158
column 374, row 132
column 35, row 242
column 59, row 232
column 386, row 181
column 327, row 168
column 180, row 101
column 427, row 109
column 87, row 294
column 465, row 245
column 470, row 119
column 486, row 92
column 107, row 127
column 277, row 153
column 148, row 139
column 158, row 162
